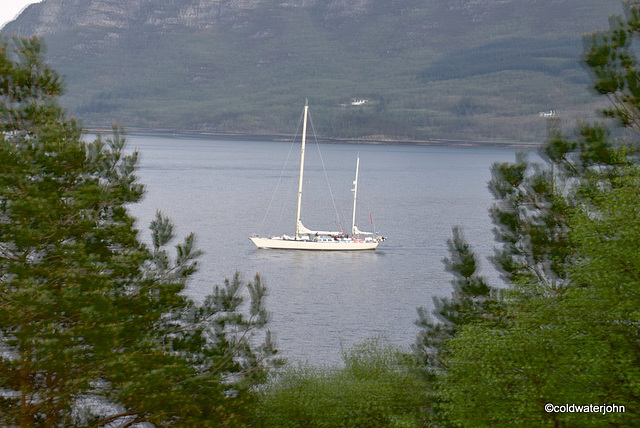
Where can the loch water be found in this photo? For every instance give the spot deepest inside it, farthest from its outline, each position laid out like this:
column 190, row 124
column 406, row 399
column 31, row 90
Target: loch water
column 226, row 190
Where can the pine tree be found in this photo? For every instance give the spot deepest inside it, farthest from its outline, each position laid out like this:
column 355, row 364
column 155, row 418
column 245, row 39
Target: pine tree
column 472, row 301
column 468, row 303
column 94, row 325
column 568, row 235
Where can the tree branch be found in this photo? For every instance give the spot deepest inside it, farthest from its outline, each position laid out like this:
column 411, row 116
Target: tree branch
column 118, row 416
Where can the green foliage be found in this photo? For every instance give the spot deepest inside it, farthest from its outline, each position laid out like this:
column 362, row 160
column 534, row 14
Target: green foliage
column 529, row 218
column 376, row 388
column 577, row 346
column 611, row 58
column 561, row 340
column 470, row 301
column 94, row 327
column 569, row 236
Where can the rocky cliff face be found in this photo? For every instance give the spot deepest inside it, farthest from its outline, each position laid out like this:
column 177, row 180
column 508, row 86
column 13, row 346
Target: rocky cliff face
column 52, row 16
column 454, row 17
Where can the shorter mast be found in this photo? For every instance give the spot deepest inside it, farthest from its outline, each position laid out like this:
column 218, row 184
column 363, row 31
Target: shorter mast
column 354, row 230
column 304, row 139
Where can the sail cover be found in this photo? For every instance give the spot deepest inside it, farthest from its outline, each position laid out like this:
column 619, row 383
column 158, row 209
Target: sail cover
column 358, row 232
column 303, row 230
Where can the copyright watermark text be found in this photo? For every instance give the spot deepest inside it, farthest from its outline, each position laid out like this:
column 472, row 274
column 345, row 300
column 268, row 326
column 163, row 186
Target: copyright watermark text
column 587, row 408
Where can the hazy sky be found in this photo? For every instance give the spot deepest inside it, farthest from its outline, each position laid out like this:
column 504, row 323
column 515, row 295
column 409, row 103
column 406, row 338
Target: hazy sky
column 11, row 8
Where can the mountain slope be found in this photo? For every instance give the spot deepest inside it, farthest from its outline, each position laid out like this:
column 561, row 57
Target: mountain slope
column 474, row 69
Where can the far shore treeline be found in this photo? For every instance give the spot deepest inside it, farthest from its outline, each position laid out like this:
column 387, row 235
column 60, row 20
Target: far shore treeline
column 95, row 330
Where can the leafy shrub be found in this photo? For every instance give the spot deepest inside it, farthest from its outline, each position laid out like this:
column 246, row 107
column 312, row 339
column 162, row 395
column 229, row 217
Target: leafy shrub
column 377, row 387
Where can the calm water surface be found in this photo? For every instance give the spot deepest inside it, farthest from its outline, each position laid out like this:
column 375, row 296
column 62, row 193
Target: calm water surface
column 321, row 302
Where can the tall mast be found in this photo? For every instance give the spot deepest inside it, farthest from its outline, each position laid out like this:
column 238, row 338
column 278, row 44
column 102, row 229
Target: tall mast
column 304, row 140
column 355, row 196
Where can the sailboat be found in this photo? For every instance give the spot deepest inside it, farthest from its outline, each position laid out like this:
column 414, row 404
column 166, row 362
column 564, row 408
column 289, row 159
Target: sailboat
column 318, row 240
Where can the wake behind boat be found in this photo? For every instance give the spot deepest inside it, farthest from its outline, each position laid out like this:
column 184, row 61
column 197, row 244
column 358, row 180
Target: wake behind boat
column 317, row 240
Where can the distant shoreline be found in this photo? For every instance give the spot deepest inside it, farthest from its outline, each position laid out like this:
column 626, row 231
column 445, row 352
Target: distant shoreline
column 375, row 140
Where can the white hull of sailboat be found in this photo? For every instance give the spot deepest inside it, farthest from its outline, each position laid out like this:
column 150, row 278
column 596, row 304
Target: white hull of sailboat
column 325, row 245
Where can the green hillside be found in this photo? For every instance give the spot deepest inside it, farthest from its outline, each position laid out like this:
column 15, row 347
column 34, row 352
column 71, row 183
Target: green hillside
column 480, row 70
